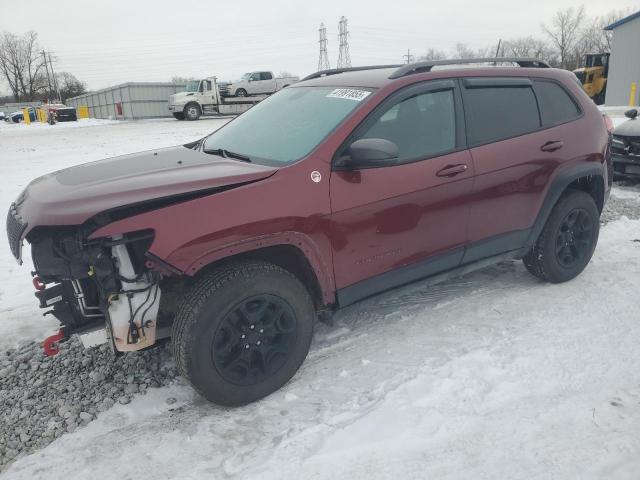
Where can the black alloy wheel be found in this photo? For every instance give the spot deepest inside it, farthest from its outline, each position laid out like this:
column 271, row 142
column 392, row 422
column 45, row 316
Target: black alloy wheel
column 254, row 341
column 573, row 242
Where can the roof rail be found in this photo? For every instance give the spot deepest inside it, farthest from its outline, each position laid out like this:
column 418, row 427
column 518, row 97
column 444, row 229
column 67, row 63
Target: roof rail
column 333, row 71
column 420, row 67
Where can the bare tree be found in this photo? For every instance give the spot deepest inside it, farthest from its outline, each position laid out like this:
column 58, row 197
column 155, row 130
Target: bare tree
column 595, row 39
column 69, row 86
column 529, row 47
column 462, row 50
column 565, row 31
column 180, row 80
column 433, row 54
column 10, row 62
column 22, row 64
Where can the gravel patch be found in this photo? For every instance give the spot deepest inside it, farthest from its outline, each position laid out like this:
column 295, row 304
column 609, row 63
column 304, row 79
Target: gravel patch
column 627, row 206
column 41, row 398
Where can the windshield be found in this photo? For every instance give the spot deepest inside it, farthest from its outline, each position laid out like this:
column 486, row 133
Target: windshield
column 288, row 125
column 246, row 76
column 192, row 86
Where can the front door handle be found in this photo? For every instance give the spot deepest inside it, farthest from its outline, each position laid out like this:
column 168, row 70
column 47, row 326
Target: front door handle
column 552, row 146
column 452, row 170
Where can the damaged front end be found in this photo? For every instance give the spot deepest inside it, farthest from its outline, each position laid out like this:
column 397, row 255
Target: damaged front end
column 102, row 289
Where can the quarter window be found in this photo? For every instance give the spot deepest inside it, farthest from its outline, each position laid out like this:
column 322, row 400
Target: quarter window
column 556, row 106
column 421, row 126
column 497, row 113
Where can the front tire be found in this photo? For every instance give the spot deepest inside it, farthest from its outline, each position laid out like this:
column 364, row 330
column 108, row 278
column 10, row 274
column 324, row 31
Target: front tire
column 242, row 332
column 568, row 239
column 192, row 111
column 241, row 92
column 178, row 115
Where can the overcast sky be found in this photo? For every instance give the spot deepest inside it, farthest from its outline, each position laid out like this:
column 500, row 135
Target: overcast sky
column 116, row 41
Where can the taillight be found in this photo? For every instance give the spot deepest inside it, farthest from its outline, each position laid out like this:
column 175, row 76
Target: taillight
column 608, row 123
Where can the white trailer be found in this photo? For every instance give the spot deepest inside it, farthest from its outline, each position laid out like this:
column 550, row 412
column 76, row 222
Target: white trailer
column 203, row 97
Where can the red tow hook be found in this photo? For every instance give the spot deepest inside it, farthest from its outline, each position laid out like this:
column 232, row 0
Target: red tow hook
column 50, row 344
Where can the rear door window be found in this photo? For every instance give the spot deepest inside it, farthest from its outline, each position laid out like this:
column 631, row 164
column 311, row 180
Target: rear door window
column 498, row 109
column 556, row 105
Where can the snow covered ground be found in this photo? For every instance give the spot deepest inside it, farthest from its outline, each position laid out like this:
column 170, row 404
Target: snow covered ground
column 29, row 151
column 493, row 375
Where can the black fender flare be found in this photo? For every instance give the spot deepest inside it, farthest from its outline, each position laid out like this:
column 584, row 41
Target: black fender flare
column 558, row 185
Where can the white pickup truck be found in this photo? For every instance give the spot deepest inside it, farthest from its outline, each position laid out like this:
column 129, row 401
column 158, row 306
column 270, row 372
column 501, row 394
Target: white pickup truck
column 259, row 83
column 207, row 97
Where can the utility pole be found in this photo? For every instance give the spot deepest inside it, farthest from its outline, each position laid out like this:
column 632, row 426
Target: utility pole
column 54, row 80
column 498, row 48
column 46, row 67
column 344, row 59
column 408, row 57
column 323, row 61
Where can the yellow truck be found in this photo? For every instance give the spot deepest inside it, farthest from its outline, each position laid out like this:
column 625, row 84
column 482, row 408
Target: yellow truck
column 593, row 76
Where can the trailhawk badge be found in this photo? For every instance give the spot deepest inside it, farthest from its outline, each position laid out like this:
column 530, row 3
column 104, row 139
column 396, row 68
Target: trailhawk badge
column 315, row 176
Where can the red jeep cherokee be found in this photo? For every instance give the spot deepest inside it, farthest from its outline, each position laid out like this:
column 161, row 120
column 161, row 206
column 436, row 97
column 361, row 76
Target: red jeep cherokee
column 341, row 186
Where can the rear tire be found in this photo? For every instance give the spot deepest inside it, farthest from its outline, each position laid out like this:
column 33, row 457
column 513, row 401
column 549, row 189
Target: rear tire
column 242, row 332
column 192, row 111
column 567, row 241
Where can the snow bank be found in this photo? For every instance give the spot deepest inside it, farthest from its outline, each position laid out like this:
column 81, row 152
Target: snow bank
column 494, row 375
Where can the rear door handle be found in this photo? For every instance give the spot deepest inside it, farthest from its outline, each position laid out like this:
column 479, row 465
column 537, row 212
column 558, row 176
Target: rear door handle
column 552, row 146
column 452, row 170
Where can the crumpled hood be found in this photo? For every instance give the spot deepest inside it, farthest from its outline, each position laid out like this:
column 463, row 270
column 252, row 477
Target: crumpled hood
column 73, row 195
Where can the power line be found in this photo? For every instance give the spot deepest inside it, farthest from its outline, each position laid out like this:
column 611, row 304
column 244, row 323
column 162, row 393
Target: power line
column 323, row 61
column 344, row 59
column 408, row 57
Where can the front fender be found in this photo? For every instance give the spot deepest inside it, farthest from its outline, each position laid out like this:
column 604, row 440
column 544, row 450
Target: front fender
column 300, row 241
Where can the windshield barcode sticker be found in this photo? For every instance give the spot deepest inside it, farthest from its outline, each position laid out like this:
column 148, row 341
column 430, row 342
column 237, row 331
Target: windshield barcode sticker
column 349, row 94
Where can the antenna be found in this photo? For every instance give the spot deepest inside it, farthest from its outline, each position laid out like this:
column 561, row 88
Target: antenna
column 323, row 62
column 344, row 59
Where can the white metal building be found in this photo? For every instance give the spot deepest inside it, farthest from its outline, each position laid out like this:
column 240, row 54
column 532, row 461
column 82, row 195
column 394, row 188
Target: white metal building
column 624, row 63
column 129, row 101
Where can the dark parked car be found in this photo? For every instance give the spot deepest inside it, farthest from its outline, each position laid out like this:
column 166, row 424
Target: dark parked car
column 18, row 116
column 346, row 184
column 626, row 146
column 62, row 112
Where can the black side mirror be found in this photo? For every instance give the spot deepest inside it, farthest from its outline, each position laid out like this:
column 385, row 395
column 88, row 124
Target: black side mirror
column 631, row 113
column 372, row 152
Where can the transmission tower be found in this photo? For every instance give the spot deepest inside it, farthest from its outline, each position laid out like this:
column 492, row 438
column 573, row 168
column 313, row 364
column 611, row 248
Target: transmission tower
column 323, row 62
column 344, row 60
